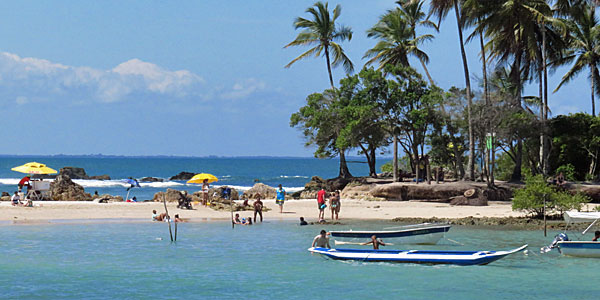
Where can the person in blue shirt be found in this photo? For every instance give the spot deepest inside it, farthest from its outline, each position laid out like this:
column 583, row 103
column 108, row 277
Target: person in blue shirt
column 280, row 198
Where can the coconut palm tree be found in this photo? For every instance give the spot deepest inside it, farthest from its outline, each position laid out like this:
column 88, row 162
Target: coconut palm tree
column 585, row 49
column 321, row 33
column 440, row 8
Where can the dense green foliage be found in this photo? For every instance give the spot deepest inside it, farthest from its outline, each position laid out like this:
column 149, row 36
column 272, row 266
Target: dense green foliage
column 537, row 193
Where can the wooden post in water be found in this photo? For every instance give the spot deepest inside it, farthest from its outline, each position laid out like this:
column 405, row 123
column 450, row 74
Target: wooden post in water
column 168, row 218
column 231, row 208
column 175, row 230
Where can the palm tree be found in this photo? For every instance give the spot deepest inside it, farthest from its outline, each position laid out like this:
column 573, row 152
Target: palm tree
column 440, row 8
column 585, row 49
column 322, row 33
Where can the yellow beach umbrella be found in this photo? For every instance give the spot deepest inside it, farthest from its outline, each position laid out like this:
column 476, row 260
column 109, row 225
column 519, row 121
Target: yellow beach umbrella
column 34, row 168
column 199, row 178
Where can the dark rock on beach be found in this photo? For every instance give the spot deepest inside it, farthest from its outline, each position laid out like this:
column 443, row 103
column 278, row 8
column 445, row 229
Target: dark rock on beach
column 265, row 191
column 183, row 176
column 64, row 189
column 505, row 222
column 100, row 177
column 73, row 173
column 151, row 179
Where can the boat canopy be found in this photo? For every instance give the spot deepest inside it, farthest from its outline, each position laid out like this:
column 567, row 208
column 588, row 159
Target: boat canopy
column 581, row 217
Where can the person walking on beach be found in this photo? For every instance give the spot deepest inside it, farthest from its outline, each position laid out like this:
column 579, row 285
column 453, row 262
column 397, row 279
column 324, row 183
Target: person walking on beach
column 334, row 203
column 280, row 198
column 258, row 207
column 376, row 243
column 205, row 187
column 321, row 240
column 321, row 194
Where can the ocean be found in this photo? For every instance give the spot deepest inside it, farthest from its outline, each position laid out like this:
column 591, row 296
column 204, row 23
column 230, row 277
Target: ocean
column 210, row 260
column 237, row 172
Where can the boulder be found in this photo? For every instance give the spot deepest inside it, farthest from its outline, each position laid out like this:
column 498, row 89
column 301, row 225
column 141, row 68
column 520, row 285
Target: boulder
column 64, row 189
column 5, row 194
column 216, row 193
column 183, row 176
column 100, row 177
column 151, row 179
column 74, row 172
column 264, row 190
column 5, row 198
column 106, row 198
column 315, row 184
column 171, row 195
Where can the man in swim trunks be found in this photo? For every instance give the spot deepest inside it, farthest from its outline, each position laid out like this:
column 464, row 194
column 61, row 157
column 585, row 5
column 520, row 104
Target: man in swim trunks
column 321, row 240
column 375, row 242
column 236, row 220
column 258, row 207
column 321, row 194
column 280, row 198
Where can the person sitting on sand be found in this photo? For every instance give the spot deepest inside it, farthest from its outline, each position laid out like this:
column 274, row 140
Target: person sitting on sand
column 280, row 198
column 177, row 219
column 375, row 242
column 158, row 217
column 596, row 236
column 334, row 203
column 258, row 207
column 236, row 220
column 321, row 240
column 15, row 199
column 560, row 180
column 302, row 222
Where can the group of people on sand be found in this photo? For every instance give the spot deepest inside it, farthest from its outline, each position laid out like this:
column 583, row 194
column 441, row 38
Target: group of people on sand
column 258, row 208
column 322, row 241
column 17, row 200
column 334, row 204
column 163, row 217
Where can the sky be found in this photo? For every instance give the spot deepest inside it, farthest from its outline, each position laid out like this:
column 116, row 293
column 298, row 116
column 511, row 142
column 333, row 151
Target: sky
column 186, row 78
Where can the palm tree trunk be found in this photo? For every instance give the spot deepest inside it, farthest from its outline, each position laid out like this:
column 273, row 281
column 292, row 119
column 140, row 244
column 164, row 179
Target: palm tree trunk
column 471, row 163
column 593, row 81
column 395, row 161
column 486, row 97
column 329, row 66
column 544, row 110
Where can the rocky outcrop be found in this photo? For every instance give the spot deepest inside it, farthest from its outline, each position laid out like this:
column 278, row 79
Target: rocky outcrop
column 64, row 189
column 151, row 179
column 317, row 183
column 217, row 193
column 73, row 173
column 183, row 176
column 173, row 196
column 106, row 198
column 265, row 191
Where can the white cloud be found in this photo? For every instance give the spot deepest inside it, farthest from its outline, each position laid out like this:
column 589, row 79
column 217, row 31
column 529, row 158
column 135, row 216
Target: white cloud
column 23, row 78
column 243, row 89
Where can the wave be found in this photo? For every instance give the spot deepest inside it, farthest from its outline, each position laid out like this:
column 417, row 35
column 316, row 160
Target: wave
column 293, row 176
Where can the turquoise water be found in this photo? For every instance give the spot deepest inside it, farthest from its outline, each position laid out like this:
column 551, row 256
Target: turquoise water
column 268, row 261
column 237, row 172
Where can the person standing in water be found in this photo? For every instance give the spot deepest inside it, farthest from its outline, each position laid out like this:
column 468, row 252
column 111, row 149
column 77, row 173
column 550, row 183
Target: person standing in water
column 321, row 240
column 258, row 207
column 280, row 198
column 376, row 243
column 334, row 204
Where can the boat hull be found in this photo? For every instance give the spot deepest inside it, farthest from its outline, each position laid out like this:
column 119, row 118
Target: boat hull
column 579, row 248
column 427, row 235
column 417, row 256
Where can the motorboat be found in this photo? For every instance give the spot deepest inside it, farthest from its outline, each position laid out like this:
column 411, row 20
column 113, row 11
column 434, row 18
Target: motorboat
column 576, row 248
column 425, row 233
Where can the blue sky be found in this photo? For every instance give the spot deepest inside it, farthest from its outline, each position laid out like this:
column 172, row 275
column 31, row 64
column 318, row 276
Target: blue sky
column 191, row 78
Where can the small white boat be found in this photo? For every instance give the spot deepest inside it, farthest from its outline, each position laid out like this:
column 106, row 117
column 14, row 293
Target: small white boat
column 576, row 248
column 417, row 256
column 425, row 233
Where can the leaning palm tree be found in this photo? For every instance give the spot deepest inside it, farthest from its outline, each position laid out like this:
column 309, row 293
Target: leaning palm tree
column 440, row 8
column 322, row 34
column 585, row 49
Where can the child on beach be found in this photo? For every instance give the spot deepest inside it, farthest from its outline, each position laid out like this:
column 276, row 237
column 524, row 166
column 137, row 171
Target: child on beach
column 258, row 207
column 280, row 198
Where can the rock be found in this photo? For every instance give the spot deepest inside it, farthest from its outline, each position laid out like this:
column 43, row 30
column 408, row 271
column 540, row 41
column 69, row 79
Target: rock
column 183, row 176
column 5, row 198
column 74, row 172
column 361, row 192
column 100, row 177
column 315, row 184
column 339, row 183
column 64, row 189
column 265, row 191
column 216, row 193
column 5, row 194
column 106, row 198
column 151, row 179
column 171, row 195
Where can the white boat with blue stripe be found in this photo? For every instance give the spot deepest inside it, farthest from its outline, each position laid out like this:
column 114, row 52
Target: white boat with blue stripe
column 576, row 248
column 417, row 256
column 425, row 233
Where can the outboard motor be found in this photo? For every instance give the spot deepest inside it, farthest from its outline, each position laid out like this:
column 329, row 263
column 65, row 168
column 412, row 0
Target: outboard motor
column 561, row 237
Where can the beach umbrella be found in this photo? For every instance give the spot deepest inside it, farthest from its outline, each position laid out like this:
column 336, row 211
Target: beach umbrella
column 199, row 178
column 134, row 183
column 34, row 168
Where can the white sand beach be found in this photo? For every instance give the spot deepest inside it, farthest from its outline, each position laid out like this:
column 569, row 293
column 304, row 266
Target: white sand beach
column 293, row 209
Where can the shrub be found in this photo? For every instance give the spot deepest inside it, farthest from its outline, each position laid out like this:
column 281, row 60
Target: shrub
column 565, row 201
column 568, row 170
